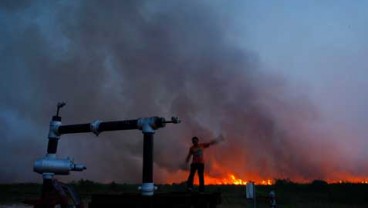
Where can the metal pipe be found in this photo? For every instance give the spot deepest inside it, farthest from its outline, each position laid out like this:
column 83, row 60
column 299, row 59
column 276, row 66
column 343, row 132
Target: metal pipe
column 118, row 125
column 50, row 165
column 148, row 187
column 147, row 176
column 98, row 127
column 52, row 145
column 74, row 128
column 53, row 138
column 46, row 187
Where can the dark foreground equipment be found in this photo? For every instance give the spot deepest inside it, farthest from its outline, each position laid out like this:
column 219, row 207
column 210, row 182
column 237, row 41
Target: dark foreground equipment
column 169, row 200
column 50, row 165
column 59, row 194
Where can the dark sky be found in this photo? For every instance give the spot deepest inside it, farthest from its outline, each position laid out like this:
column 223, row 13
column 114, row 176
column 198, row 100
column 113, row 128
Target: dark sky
column 289, row 107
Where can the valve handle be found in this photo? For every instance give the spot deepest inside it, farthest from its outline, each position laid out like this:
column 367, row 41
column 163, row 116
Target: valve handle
column 59, row 105
column 174, row 120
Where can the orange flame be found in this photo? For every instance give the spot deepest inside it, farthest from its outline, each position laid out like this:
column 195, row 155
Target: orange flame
column 231, row 179
column 349, row 180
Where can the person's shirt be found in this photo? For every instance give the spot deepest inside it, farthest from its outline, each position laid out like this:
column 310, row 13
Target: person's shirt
column 197, row 152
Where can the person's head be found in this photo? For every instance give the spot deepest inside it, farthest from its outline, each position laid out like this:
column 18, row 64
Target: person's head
column 195, row 140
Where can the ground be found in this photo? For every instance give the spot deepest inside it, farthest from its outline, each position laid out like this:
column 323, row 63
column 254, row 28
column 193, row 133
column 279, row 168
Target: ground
column 314, row 195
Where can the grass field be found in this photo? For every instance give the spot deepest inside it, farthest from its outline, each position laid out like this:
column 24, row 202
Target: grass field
column 288, row 195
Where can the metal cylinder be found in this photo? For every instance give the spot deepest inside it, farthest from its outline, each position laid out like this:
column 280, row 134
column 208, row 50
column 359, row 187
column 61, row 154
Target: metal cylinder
column 56, row 166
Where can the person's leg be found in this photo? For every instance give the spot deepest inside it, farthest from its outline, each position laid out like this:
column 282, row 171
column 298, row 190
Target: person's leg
column 191, row 176
column 201, row 177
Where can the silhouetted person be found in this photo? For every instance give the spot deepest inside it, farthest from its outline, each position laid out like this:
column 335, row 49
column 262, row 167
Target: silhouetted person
column 196, row 150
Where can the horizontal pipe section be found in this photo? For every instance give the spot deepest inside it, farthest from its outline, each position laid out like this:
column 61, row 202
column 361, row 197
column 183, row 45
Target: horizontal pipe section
column 75, row 128
column 103, row 126
column 118, row 125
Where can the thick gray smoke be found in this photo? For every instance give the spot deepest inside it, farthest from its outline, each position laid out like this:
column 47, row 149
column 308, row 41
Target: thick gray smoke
column 115, row 60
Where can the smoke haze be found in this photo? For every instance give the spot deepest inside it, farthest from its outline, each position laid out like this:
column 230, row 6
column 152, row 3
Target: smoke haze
column 120, row 60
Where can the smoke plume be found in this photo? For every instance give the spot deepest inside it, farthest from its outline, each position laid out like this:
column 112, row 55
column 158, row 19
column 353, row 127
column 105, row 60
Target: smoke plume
column 117, row 60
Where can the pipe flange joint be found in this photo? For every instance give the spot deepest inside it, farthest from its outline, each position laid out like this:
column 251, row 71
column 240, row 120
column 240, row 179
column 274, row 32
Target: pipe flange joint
column 147, row 125
column 54, row 130
column 51, row 155
column 48, row 176
column 94, row 126
column 147, row 189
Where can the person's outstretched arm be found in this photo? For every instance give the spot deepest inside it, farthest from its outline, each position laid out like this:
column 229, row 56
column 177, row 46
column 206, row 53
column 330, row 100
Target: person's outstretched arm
column 214, row 141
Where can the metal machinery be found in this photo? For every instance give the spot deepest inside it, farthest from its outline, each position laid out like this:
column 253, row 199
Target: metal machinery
column 54, row 192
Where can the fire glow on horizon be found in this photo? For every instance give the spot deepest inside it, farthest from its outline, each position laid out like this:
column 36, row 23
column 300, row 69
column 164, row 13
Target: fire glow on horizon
column 231, row 179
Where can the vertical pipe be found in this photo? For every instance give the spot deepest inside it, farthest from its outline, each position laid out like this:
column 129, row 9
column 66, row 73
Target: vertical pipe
column 52, row 145
column 148, row 158
column 46, row 187
column 147, row 187
column 53, row 138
